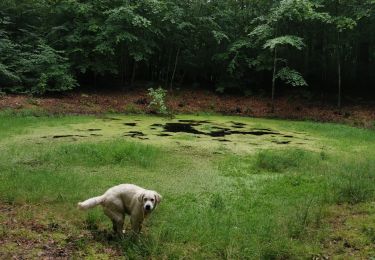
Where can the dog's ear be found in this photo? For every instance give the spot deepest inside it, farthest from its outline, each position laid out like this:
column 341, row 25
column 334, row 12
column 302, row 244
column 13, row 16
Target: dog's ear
column 158, row 197
column 140, row 197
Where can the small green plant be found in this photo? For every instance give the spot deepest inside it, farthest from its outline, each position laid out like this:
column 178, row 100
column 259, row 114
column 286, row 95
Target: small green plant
column 158, row 100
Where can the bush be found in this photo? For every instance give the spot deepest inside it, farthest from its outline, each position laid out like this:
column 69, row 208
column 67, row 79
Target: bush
column 158, row 100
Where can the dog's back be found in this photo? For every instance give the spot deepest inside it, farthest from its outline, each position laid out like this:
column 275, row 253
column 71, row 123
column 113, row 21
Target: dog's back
column 123, row 192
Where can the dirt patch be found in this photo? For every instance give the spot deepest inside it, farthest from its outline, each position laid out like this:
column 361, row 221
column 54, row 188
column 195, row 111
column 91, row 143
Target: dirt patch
column 34, row 238
column 196, row 101
column 351, row 234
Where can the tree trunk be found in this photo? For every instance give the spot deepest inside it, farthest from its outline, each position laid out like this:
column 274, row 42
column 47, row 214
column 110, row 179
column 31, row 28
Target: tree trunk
column 123, row 66
column 133, row 73
column 168, row 67
column 174, row 70
column 273, row 80
column 338, row 47
column 338, row 71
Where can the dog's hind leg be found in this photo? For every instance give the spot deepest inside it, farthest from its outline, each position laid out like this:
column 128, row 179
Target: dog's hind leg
column 117, row 227
column 117, row 220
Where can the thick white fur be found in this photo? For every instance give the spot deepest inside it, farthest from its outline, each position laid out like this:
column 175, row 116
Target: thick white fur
column 90, row 203
column 125, row 199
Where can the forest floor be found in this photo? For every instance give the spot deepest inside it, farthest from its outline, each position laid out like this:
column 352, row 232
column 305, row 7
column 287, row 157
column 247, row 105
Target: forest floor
column 356, row 113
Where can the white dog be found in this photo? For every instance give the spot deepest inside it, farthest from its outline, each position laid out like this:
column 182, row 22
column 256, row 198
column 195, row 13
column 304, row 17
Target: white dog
column 123, row 199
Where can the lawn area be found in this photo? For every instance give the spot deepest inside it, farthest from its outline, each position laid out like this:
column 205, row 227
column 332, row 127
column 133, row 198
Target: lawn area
column 232, row 187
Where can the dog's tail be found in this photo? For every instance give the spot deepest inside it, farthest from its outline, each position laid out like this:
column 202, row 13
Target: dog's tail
column 90, row 203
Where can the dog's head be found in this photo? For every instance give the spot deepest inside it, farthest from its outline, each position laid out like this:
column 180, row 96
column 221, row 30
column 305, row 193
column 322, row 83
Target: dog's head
column 149, row 199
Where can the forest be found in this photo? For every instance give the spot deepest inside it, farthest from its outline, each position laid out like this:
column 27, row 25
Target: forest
column 244, row 47
column 245, row 126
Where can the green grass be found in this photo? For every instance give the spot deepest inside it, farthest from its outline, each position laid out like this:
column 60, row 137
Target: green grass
column 248, row 198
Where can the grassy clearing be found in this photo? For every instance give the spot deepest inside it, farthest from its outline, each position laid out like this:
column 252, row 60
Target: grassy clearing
column 250, row 197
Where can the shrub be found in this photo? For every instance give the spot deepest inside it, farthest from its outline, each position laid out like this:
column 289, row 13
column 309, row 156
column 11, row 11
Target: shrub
column 158, row 100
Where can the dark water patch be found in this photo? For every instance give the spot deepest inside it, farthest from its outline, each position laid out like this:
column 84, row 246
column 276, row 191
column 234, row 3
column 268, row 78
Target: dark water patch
column 134, row 134
column 220, row 133
column 181, row 128
column 262, row 129
column 89, row 130
column 281, row 142
column 224, row 140
column 162, row 134
column 130, row 124
column 198, row 122
column 153, row 128
column 257, row 133
column 189, row 128
column 237, row 123
column 157, row 125
column 288, row 136
column 64, row 136
column 220, row 128
column 111, row 119
column 96, row 135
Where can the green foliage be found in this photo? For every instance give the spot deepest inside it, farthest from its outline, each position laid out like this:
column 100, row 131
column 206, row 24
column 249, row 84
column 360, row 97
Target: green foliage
column 158, row 100
column 291, row 40
column 31, row 65
column 291, row 77
column 47, row 45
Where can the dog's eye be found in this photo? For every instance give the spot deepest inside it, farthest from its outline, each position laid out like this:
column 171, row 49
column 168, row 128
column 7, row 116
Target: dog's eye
column 145, row 199
column 152, row 200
